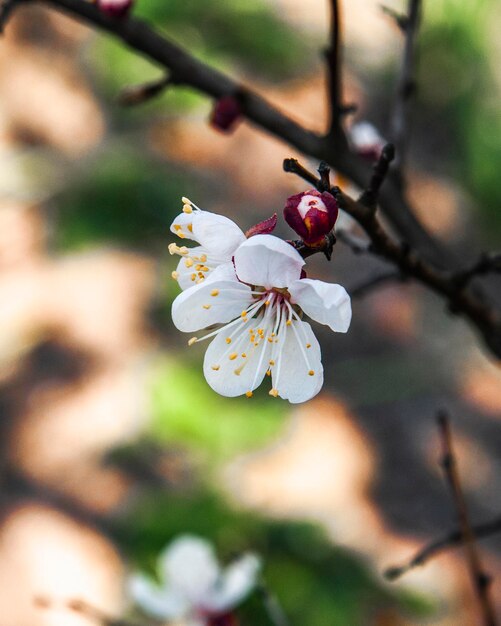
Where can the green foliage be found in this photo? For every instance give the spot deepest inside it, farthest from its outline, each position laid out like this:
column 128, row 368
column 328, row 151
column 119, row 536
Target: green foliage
column 185, row 410
column 316, row 583
column 459, row 97
column 121, row 197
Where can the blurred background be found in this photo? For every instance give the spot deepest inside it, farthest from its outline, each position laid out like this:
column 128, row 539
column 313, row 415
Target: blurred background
column 111, row 441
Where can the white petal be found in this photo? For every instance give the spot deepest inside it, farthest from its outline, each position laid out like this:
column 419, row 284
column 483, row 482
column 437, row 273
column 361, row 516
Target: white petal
column 268, row 261
column 236, row 582
column 190, row 568
column 325, row 303
column 219, row 299
column 291, row 375
column 230, row 373
column 153, row 600
column 183, row 225
column 217, row 233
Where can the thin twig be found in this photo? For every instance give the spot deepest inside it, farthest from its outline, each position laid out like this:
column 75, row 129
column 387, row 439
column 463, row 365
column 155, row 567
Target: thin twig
column 406, row 83
column 272, row 606
column 451, row 540
column 481, row 581
column 138, row 94
column 487, row 263
column 369, row 197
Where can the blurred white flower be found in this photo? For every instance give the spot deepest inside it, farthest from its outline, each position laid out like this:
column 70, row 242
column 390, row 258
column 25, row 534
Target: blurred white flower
column 217, row 235
column 193, row 587
column 259, row 299
column 366, row 140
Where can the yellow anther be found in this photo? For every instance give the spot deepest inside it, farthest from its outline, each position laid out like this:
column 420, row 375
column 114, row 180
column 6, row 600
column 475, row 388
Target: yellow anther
column 308, row 345
column 178, row 227
column 175, row 275
column 273, row 392
column 182, row 250
column 244, row 356
column 173, row 248
column 233, row 356
column 198, row 267
column 228, row 340
column 192, row 341
column 181, row 235
column 311, row 373
column 256, row 343
column 188, row 262
column 270, row 339
column 288, row 322
column 271, row 362
column 193, row 276
column 204, row 268
column 267, row 303
column 249, row 394
column 187, row 208
column 243, row 314
column 186, row 200
column 190, row 228
column 203, row 258
column 200, row 280
column 206, row 306
column 273, row 334
column 268, row 372
column 214, row 292
column 215, row 367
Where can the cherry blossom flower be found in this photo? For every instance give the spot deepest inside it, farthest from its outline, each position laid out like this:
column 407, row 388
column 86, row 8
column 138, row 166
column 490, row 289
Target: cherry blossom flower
column 259, row 299
column 218, row 238
column 193, row 587
column 366, row 140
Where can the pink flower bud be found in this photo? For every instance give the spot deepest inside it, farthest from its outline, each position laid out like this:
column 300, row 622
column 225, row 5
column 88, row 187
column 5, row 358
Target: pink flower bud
column 226, row 113
column 312, row 215
column 115, row 8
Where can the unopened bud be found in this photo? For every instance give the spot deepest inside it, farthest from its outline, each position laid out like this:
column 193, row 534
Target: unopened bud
column 226, row 113
column 312, row 215
column 115, row 8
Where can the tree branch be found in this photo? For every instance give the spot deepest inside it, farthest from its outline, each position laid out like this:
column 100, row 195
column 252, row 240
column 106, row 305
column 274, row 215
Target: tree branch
column 185, row 69
column 451, row 540
column 411, row 264
column 406, row 83
column 333, row 58
column 480, row 579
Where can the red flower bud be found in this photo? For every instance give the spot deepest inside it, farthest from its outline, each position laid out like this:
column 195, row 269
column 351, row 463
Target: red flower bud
column 226, row 113
column 312, row 215
column 115, row 8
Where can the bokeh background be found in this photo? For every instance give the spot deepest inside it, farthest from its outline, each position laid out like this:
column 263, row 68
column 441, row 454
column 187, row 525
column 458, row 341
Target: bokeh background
column 111, row 441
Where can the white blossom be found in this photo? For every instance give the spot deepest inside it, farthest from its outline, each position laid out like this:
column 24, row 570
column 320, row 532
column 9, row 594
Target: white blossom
column 193, row 586
column 218, row 238
column 258, row 300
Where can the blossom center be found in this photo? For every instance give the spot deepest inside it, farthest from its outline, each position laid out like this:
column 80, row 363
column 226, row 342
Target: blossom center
column 310, row 202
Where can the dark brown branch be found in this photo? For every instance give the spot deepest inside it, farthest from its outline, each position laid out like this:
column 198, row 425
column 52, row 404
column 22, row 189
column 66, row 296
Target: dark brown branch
column 369, row 197
column 138, row 94
column 481, row 581
column 333, row 58
column 406, row 82
column 487, row 263
column 411, row 264
column 187, row 70
column 451, row 540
